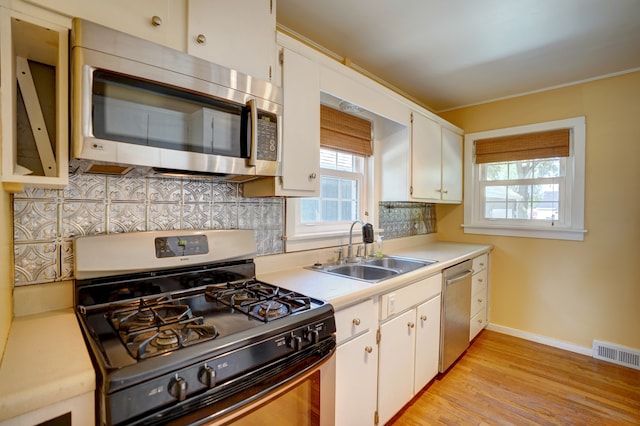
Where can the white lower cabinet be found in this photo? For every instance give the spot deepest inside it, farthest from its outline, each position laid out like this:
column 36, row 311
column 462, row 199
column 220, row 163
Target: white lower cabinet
column 356, row 364
column 356, row 380
column 409, row 343
column 427, row 332
column 479, row 295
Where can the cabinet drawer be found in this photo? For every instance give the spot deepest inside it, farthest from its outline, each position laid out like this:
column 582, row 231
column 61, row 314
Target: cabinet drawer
column 355, row 320
column 479, row 282
column 411, row 295
column 480, row 263
column 478, row 302
column 477, row 323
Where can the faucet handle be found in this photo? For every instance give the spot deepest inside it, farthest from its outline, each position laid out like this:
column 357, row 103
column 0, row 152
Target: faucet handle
column 340, row 253
column 359, row 252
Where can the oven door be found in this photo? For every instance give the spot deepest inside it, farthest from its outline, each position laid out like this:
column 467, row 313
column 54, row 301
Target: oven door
column 309, row 400
column 297, row 390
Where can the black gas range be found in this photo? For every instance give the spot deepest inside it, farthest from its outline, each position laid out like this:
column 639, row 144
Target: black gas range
column 187, row 344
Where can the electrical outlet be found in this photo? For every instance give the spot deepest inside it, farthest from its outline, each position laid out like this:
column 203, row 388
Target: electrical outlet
column 391, row 303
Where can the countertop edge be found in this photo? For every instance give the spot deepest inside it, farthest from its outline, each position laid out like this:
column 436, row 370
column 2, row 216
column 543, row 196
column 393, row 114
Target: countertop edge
column 29, row 381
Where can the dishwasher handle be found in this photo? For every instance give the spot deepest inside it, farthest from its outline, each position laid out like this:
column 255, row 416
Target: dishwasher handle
column 459, row 277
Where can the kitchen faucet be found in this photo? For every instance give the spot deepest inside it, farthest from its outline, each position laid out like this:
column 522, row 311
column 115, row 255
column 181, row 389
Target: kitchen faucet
column 350, row 257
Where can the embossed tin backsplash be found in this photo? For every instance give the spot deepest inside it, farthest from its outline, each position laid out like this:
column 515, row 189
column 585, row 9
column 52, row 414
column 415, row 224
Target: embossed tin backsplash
column 404, row 219
column 46, row 221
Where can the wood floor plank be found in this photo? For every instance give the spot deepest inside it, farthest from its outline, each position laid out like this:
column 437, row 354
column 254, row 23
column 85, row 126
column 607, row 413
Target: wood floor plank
column 504, row 380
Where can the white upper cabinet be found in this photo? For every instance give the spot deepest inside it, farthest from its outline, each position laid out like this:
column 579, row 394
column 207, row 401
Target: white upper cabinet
column 424, row 167
column 426, row 154
column 148, row 19
column 300, row 132
column 238, row 34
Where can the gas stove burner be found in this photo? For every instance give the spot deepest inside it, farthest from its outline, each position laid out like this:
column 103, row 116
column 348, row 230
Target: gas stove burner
column 270, row 310
column 166, row 338
column 156, row 326
column 258, row 300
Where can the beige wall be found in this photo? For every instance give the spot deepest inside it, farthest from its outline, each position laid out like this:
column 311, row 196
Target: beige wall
column 571, row 291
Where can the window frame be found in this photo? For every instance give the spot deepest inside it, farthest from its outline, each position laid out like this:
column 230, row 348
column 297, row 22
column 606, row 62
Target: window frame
column 572, row 227
column 301, row 236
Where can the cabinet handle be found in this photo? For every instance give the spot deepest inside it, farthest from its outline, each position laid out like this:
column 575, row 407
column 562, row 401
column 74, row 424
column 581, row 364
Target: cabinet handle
column 356, row 321
column 312, row 176
column 201, row 39
column 423, row 317
column 156, row 21
column 368, row 349
column 411, row 325
column 481, row 265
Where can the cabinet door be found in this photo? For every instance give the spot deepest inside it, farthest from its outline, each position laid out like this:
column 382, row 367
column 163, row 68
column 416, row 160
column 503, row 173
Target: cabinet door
column 427, row 342
column 426, row 158
column 395, row 371
column 132, row 17
column 301, row 125
column 239, row 34
column 451, row 165
column 356, row 380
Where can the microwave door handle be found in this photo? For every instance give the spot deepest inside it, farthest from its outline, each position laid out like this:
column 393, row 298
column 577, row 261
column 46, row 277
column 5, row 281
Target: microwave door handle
column 253, row 147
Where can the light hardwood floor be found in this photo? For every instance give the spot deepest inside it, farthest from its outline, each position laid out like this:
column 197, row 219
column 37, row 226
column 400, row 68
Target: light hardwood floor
column 504, row 380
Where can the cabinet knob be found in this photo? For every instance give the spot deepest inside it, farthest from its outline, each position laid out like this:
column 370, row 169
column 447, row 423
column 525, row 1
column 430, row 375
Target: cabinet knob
column 368, row 349
column 356, row 321
column 411, row 325
column 444, row 191
column 312, row 176
column 479, row 321
column 156, row 21
column 479, row 300
column 480, row 280
column 423, row 317
column 201, row 39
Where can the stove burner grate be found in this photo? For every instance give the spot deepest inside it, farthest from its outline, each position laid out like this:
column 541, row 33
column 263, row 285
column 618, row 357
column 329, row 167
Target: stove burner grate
column 258, row 300
column 159, row 326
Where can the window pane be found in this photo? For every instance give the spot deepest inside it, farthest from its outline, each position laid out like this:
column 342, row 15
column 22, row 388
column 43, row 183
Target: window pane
column 547, row 202
column 349, row 210
column 309, row 210
column 330, row 187
column 330, row 210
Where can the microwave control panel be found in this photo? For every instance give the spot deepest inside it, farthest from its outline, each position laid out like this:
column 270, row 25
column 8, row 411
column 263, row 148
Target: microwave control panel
column 267, row 137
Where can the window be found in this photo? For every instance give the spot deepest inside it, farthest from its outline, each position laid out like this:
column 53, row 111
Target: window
column 345, row 155
column 340, row 182
column 526, row 181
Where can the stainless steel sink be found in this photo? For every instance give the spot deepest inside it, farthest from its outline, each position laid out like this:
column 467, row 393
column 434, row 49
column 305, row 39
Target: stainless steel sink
column 362, row 272
column 401, row 264
column 374, row 270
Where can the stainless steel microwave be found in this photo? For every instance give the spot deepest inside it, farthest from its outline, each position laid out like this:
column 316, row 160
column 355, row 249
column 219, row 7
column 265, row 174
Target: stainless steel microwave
column 138, row 103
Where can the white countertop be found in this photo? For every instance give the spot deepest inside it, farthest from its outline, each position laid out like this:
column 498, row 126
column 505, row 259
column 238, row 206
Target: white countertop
column 45, row 362
column 342, row 292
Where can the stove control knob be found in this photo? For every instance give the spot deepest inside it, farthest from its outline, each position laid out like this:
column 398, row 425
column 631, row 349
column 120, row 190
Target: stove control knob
column 178, row 388
column 313, row 336
column 207, row 376
column 295, row 342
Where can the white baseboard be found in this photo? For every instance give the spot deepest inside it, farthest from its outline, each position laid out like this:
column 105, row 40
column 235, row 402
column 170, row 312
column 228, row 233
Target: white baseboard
column 560, row 344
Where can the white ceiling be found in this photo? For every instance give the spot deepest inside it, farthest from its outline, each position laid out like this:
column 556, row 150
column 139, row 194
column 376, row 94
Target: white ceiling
column 452, row 53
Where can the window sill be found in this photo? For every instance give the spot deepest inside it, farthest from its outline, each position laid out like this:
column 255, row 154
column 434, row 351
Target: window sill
column 528, row 232
column 299, row 242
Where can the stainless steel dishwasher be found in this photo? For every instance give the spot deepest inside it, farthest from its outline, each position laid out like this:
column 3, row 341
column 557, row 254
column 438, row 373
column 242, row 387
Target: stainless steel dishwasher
column 456, row 313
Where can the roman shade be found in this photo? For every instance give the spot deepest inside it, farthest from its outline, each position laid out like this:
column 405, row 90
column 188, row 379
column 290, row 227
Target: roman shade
column 528, row 146
column 344, row 132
